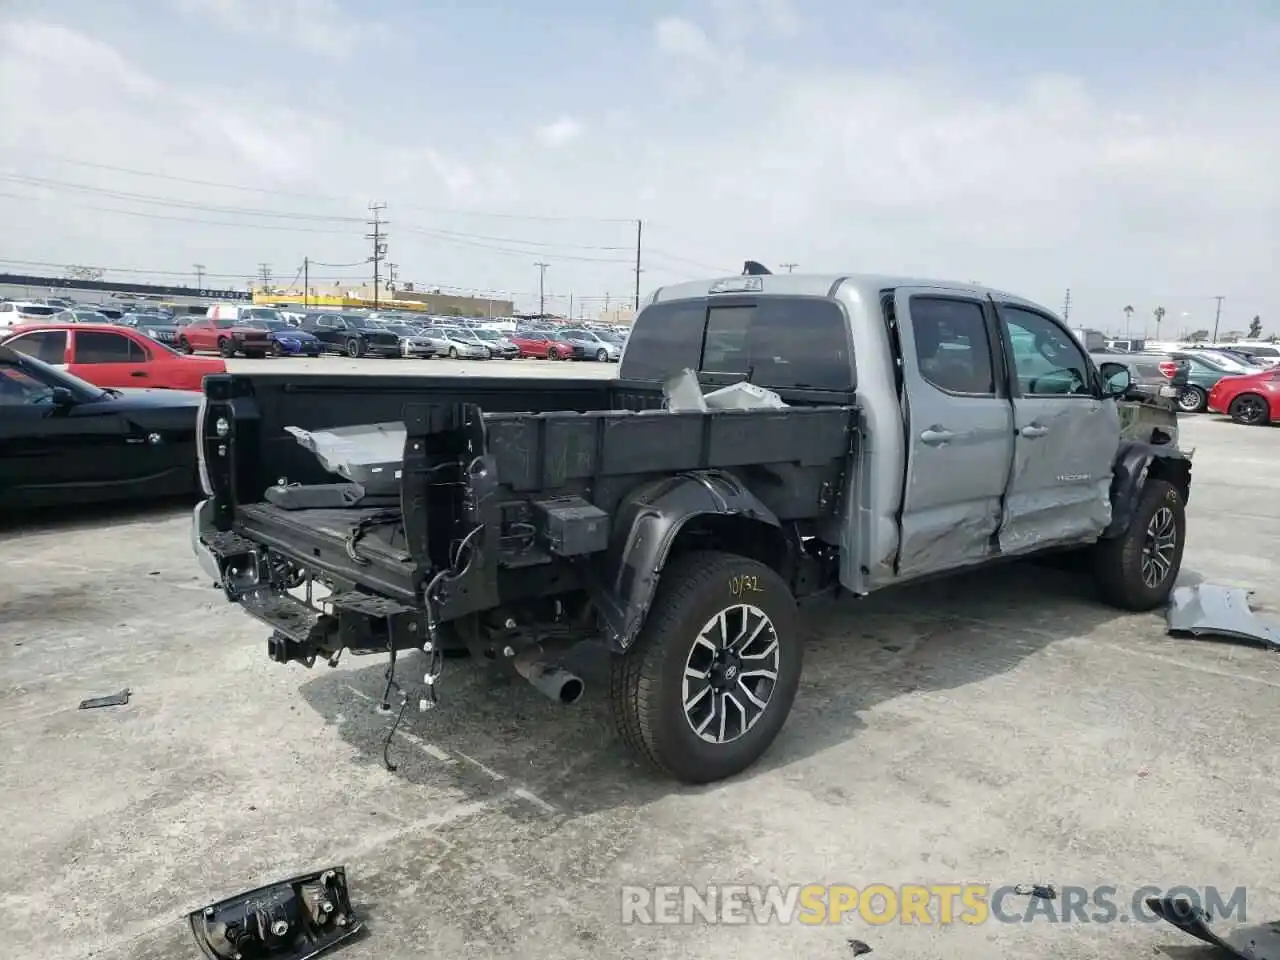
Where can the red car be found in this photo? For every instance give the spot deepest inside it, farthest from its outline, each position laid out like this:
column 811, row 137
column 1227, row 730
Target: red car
column 1253, row 399
column 542, row 346
column 109, row 356
column 225, row 336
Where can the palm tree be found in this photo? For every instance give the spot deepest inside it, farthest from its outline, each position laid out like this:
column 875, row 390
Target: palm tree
column 1128, row 314
column 1158, row 312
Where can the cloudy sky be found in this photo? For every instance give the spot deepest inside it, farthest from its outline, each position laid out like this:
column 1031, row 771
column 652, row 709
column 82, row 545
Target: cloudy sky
column 1125, row 150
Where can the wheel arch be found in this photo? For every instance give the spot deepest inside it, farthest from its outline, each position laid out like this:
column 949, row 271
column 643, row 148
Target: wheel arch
column 1136, row 464
column 668, row 518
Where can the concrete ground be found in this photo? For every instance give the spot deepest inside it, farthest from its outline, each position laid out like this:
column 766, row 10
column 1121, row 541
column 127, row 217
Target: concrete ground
column 999, row 728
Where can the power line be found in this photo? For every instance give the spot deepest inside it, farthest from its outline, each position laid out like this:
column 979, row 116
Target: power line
column 314, row 196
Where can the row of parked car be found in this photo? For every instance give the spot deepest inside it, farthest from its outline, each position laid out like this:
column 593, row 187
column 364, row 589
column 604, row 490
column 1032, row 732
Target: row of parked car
column 1239, row 382
column 254, row 331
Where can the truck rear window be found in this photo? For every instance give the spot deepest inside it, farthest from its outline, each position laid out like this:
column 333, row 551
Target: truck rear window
column 784, row 342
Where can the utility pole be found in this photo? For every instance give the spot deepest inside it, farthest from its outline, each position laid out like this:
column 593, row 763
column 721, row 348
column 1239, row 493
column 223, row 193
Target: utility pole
column 306, row 280
column 1066, row 305
column 789, row 267
column 1217, row 315
column 264, row 274
column 199, row 275
column 542, row 287
column 391, row 277
column 379, row 243
column 570, row 304
column 639, row 232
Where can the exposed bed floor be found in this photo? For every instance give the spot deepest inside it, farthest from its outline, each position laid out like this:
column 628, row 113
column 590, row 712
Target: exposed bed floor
column 382, row 536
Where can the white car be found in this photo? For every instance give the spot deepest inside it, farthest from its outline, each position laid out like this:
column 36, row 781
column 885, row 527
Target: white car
column 14, row 312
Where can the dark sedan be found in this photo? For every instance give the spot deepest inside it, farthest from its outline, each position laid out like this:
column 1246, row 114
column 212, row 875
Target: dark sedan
column 65, row 441
column 351, row 334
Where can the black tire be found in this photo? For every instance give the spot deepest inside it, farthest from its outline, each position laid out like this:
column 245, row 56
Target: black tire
column 1250, row 409
column 185, row 346
column 602, row 355
column 453, row 353
column 355, row 348
column 276, row 349
column 1193, row 400
column 647, row 683
column 227, row 347
column 1120, row 564
column 553, row 354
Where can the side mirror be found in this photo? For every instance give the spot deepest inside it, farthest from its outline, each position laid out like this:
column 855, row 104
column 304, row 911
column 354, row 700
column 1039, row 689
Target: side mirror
column 62, row 397
column 1116, row 379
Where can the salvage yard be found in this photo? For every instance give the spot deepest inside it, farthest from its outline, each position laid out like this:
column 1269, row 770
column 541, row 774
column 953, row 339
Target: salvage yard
column 998, row 728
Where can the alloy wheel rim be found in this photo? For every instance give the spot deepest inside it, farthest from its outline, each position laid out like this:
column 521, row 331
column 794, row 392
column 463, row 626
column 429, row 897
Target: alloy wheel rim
column 1250, row 409
column 731, row 673
column 1189, row 400
column 1158, row 547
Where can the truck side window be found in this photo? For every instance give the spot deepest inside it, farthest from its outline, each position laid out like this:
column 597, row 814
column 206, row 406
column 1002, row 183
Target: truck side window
column 666, row 338
column 1048, row 359
column 952, row 347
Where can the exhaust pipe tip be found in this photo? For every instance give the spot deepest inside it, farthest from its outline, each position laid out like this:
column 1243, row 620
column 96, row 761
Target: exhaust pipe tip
column 551, row 680
column 571, row 690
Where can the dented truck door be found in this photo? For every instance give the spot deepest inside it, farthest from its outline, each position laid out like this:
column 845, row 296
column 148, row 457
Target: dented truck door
column 959, row 430
column 1066, row 436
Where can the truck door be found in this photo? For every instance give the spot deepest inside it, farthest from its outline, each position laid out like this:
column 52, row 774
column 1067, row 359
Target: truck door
column 959, row 425
column 1066, row 440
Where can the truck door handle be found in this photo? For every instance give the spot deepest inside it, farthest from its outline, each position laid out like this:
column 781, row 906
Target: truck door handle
column 1033, row 430
column 936, row 436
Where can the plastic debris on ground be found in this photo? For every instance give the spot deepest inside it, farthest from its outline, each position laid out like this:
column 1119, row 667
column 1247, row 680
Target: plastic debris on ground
column 1207, row 609
column 112, row 700
column 684, row 394
column 1259, row 941
column 370, row 454
column 294, row 919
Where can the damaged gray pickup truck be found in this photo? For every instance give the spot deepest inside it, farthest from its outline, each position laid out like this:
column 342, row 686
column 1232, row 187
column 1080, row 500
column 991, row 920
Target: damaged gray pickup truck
column 888, row 430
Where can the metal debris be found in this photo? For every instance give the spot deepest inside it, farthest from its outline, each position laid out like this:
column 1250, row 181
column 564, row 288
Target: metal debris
column 1209, row 609
column 114, row 700
column 1259, row 941
column 859, row 947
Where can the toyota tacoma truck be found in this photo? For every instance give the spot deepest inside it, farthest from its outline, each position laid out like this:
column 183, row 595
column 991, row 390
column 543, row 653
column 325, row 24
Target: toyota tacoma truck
column 907, row 429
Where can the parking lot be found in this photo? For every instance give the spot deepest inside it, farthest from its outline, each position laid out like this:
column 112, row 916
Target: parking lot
column 998, row 728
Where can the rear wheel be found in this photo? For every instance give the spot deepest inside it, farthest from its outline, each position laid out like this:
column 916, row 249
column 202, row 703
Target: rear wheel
column 709, row 682
column 1193, row 400
column 227, row 347
column 1250, row 409
column 1137, row 570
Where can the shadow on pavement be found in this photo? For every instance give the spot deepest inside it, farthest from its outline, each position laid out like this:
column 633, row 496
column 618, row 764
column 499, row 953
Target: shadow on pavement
column 89, row 516
column 492, row 735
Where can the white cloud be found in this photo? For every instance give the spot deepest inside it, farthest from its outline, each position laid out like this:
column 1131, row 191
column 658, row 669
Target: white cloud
column 560, row 132
column 319, row 26
column 1042, row 184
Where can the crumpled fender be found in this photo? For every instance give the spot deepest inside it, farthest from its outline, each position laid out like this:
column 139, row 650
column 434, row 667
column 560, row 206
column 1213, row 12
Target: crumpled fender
column 647, row 523
column 1135, row 463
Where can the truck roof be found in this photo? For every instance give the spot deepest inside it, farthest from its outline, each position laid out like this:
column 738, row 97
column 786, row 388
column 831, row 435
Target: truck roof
column 868, row 285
